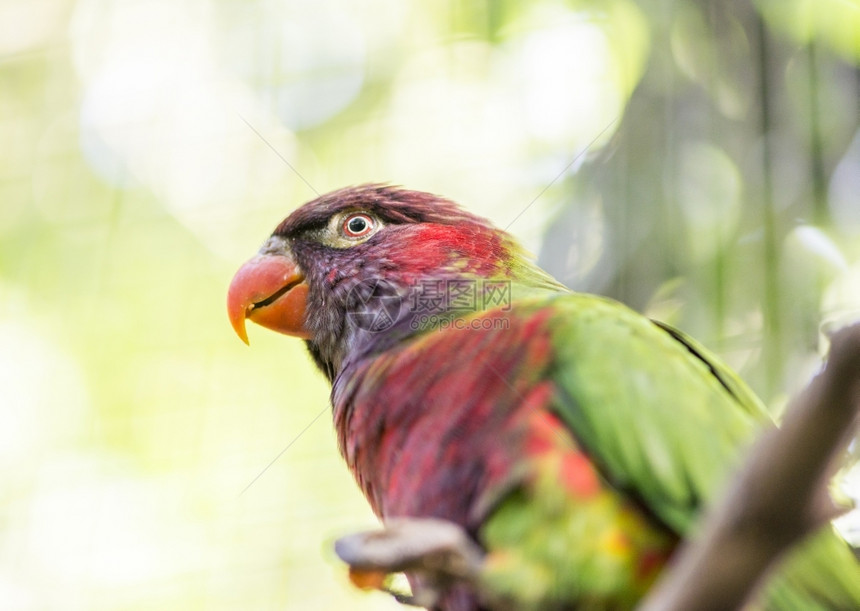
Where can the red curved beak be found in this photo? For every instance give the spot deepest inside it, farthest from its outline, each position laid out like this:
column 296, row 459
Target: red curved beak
column 271, row 291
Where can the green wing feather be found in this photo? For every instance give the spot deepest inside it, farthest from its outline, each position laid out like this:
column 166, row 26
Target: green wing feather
column 648, row 407
column 666, row 421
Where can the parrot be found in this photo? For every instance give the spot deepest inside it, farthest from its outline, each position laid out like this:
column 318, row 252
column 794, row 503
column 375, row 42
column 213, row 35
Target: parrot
column 573, row 439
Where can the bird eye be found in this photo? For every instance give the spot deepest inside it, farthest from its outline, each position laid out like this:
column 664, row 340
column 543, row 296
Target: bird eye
column 357, row 225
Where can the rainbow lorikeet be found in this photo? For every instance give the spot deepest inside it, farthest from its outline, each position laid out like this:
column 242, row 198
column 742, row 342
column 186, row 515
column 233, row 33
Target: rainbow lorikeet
column 573, row 439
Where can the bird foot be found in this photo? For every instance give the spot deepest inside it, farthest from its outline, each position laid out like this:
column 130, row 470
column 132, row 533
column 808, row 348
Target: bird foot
column 436, row 553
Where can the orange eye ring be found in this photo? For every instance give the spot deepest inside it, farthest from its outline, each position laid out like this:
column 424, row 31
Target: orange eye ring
column 358, row 225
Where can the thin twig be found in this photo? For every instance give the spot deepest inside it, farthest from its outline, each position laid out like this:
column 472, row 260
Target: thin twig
column 287, row 447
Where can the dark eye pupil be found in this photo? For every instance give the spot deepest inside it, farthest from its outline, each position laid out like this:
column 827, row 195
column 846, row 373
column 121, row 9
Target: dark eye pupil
column 357, row 225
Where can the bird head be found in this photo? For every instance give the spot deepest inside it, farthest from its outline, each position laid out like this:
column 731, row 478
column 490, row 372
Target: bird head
column 345, row 272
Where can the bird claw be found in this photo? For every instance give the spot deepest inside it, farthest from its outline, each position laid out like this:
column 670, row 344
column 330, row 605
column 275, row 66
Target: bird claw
column 437, row 553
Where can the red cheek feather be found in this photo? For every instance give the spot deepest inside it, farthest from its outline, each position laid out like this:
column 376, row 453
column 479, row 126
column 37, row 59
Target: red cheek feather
column 430, row 247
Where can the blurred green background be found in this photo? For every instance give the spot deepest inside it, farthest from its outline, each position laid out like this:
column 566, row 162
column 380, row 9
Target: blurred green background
column 145, row 152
